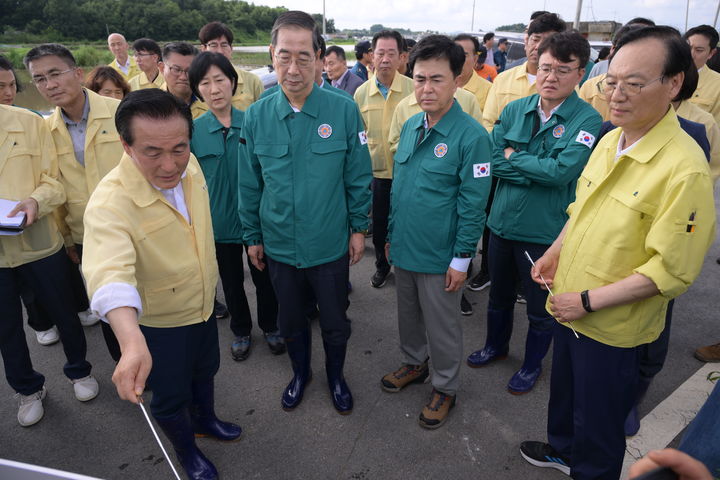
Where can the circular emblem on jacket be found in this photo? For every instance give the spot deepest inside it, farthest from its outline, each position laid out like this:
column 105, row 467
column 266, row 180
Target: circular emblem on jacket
column 440, row 150
column 558, row 131
column 324, row 130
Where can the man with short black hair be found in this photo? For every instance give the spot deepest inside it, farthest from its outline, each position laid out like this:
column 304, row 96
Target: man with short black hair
column 540, row 145
column 468, row 79
column 177, row 58
column 703, row 42
column 308, row 239
column 337, row 71
column 217, row 37
column 147, row 56
column 636, row 237
column 123, row 63
column 363, row 55
column 519, row 82
column 441, row 178
column 377, row 100
column 501, row 54
column 151, row 270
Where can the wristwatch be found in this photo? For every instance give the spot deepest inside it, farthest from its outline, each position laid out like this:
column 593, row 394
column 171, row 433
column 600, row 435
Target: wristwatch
column 586, row 301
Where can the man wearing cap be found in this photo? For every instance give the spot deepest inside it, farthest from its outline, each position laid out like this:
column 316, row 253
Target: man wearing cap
column 364, row 60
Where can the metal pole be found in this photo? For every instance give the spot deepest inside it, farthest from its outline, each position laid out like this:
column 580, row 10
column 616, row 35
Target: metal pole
column 324, row 31
column 717, row 12
column 576, row 25
column 687, row 12
column 472, row 22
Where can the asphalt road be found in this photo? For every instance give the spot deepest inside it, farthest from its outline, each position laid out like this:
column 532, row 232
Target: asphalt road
column 381, row 439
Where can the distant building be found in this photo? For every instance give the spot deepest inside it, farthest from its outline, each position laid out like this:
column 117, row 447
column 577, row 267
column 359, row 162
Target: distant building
column 601, row 31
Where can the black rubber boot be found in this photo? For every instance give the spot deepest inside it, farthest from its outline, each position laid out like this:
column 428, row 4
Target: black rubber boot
column 202, row 413
column 299, row 349
column 178, row 429
column 537, row 345
column 339, row 391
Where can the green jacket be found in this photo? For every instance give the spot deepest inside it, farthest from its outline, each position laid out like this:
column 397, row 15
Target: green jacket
column 439, row 191
column 304, row 177
column 326, row 86
column 218, row 158
column 537, row 182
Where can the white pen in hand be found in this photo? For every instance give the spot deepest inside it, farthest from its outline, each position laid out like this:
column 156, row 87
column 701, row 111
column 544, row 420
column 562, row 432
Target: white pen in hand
column 548, row 288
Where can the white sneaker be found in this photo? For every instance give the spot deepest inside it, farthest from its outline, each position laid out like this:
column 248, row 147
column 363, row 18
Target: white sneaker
column 85, row 388
column 31, row 408
column 48, row 337
column 88, row 318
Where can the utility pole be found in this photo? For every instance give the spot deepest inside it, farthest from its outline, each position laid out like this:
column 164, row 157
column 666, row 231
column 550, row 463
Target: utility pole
column 716, row 14
column 687, row 12
column 472, row 22
column 576, row 25
column 324, row 31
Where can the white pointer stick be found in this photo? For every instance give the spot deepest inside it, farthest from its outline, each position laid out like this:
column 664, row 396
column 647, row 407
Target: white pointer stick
column 140, row 402
column 548, row 289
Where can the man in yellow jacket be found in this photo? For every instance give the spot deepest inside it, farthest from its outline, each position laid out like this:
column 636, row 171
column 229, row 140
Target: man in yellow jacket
column 468, row 79
column 703, row 42
column 33, row 255
column 519, row 82
column 151, row 272
column 85, row 139
column 377, row 99
column 217, row 37
column 148, row 56
column 636, row 237
column 123, row 63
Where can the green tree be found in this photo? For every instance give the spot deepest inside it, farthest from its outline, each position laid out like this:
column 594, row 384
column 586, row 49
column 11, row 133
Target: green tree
column 376, row 28
column 515, row 27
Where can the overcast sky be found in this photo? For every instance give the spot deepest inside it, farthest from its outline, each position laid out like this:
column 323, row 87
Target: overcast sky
column 456, row 15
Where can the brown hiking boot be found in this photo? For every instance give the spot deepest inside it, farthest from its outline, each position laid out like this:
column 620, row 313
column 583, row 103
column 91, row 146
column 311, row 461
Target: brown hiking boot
column 404, row 376
column 436, row 412
column 711, row 353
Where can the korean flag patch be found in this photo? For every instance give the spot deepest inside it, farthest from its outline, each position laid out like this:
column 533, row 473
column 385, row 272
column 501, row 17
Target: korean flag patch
column 481, row 170
column 586, row 138
column 363, row 138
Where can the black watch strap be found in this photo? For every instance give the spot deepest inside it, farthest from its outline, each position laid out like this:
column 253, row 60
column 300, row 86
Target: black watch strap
column 586, row 301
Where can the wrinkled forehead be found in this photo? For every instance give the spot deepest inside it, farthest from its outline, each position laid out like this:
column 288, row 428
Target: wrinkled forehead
column 641, row 59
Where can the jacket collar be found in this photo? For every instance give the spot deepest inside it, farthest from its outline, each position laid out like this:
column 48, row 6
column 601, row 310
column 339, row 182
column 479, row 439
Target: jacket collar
column 394, row 87
column 98, row 110
column 142, row 192
column 655, row 140
column 214, row 125
column 566, row 110
column 310, row 107
column 446, row 123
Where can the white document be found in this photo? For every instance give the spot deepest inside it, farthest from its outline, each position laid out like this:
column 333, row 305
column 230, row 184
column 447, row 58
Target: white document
column 6, row 207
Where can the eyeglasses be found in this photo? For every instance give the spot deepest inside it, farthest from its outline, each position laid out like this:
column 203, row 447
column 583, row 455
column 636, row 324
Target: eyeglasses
column 177, row 70
column 223, row 45
column 629, row 89
column 287, row 60
column 560, row 72
column 41, row 80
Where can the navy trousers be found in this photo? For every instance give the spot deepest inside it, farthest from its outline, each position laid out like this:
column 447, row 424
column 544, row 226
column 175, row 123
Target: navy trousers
column 592, row 389
column 327, row 282
column 48, row 279
column 180, row 356
column 507, row 261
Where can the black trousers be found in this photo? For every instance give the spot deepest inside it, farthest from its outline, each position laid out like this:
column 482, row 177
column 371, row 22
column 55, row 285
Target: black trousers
column 327, row 282
column 380, row 216
column 230, row 257
column 48, row 279
column 38, row 318
column 180, row 356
